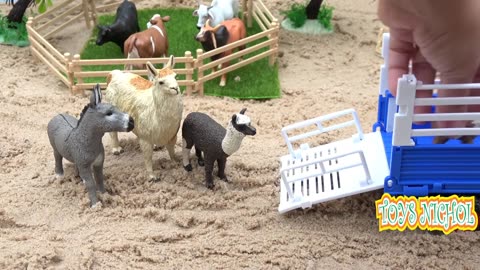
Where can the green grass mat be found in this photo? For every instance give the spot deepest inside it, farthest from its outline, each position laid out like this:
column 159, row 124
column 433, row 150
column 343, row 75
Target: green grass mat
column 257, row 80
column 15, row 35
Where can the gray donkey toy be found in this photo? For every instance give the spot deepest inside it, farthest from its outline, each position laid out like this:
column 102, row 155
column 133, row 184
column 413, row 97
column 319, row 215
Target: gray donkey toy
column 80, row 142
column 216, row 142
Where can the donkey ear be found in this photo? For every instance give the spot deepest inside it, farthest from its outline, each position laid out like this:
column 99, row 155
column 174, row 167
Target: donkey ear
column 171, row 62
column 96, row 97
column 152, row 70
column 243, row 111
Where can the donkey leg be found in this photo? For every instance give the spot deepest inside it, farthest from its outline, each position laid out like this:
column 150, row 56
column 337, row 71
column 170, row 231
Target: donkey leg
column 208, row 172
column 98, row 172
column 147, row 150
column 58, row 164
column 86, row 175
column 116, row 148
column 198, row 152
column 186, row 156
column 221, row 169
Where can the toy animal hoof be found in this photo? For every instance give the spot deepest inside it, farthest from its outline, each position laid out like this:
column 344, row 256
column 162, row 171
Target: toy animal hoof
column 210, row 185
column 201, row 163
column 96, row 205
column 188, row 168
column 154, row 179
column 117, row 151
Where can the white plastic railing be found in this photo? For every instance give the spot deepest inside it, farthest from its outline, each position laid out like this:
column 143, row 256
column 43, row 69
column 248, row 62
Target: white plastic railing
column 313, row 173
column 383, row 85
column 406, row 101
column 320, row 129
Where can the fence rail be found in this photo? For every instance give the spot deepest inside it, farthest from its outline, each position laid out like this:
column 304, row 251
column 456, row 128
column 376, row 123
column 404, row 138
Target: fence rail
column 70, row 69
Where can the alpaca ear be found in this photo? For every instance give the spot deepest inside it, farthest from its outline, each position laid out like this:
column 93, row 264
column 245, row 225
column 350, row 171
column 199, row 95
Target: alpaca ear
column 171, row 62
column 243, row 111
column 152, row 70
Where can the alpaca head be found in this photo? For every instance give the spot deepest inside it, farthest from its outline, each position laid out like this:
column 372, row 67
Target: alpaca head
column 242, row 123
column 165, row 79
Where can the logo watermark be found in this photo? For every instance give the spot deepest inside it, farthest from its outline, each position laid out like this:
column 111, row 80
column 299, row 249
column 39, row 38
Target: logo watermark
column 445, row 214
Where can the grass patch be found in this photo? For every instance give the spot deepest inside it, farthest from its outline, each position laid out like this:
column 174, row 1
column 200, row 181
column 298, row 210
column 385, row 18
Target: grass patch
column 257, row 80
column 297, row 16
column 325, row 16
column 13, row 33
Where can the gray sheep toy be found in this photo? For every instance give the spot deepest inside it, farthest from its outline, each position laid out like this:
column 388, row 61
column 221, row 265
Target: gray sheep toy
column 216, row 142
column 80, row 142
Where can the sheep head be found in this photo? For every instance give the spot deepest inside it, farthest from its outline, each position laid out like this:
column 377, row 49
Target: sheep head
column 165, row 79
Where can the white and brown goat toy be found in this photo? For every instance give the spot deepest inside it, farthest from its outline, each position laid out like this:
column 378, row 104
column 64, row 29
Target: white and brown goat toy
column 152, row 42
column 156, row 106
column 216, row 142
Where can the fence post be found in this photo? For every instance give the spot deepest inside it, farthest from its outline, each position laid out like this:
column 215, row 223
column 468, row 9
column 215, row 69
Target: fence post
column 402, row 125
column 94, row 11
column 244, row 10
column 250, row 13
column 198, row 65
column 77, row 68
column 189, row 67
column 67, row 57
column 274, row 35
column 85, row 13
column 30, row 26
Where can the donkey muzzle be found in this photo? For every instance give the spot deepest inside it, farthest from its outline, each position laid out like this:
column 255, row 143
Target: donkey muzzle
column 131, row 124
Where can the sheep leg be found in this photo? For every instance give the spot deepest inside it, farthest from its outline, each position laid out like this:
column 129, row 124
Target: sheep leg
column 58, row 164
column 86, row 175
column 186, row 156
column 147, row 150
column 198, row 152
column 98, row 172
column 171, row 148
column 116, row 149
column 222, row 162
column 208, row 172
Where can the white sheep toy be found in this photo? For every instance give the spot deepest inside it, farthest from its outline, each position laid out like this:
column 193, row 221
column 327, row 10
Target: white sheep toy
column 216, row 142
column 156, row 106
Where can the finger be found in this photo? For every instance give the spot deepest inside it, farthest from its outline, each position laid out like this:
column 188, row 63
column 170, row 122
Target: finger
column 400, row 52
column 475, row 93
column 425, row 73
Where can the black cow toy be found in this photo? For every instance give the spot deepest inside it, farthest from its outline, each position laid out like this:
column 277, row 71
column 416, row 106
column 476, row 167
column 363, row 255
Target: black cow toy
column 126, row 24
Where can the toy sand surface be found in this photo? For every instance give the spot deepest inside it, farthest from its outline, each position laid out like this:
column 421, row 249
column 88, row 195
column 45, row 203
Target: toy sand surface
column 177, row 223
column 310, row 27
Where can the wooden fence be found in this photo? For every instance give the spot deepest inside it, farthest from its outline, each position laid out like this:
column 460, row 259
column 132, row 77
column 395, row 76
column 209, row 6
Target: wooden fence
column 68, row 68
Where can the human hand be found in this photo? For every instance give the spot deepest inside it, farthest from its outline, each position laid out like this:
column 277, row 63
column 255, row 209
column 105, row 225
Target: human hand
column 437, row 36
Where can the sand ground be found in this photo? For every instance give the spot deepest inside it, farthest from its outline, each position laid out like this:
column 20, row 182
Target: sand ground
column 179, row 224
